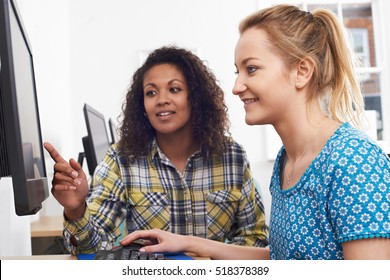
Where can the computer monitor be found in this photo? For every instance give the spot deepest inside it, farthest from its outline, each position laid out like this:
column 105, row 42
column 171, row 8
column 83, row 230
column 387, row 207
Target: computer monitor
column 96, row 143
column 21, row 149
column 113, row 131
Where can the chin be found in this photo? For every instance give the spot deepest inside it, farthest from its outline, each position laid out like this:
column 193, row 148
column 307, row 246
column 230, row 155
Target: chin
column 250, row 121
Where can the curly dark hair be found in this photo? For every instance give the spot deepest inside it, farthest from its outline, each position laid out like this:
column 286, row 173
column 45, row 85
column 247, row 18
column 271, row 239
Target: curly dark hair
column 209, row 112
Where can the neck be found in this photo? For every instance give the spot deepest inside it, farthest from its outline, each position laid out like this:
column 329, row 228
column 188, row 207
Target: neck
column 300, row 128
column 302, row 149
column 304, row 131
column 299, row 141
column 177, row 149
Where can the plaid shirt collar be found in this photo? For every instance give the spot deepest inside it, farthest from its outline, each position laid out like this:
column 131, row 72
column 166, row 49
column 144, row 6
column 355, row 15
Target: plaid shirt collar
column 157, row 155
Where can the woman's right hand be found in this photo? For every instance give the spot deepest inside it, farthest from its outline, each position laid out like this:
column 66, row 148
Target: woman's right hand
column 69, row 185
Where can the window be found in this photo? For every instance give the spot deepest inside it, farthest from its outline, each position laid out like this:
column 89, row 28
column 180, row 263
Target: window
column 359, row 37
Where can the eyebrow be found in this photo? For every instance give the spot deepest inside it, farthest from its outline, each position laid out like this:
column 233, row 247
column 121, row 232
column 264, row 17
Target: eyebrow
column 245, row 60
column 169, row 82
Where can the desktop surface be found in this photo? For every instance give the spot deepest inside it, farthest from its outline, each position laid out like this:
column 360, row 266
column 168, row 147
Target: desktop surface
column 47, row 226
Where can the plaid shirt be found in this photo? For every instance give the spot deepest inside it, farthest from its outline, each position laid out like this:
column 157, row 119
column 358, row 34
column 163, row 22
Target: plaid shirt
column 214, row 198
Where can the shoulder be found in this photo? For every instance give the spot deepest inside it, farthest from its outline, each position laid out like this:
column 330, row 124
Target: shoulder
column 350, row 142
column 234, row 150
column 113, row 152
column 347, row 133
column 233, row 145
column 353, row 156
column 110, row 161
column 233, row 154
column 115, row 156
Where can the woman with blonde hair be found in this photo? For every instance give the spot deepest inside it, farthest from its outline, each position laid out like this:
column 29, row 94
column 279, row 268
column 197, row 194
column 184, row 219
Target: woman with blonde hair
column 330, row 183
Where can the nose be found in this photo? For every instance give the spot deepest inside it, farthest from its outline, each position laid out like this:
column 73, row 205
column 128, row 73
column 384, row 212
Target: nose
column 238, row 87
column 163, row 98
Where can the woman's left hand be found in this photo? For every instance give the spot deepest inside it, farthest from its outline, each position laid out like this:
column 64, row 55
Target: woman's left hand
column 157, row 240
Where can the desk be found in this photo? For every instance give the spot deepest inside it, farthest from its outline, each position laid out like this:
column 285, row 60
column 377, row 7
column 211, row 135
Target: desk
column 47, row 226
column 46, row 236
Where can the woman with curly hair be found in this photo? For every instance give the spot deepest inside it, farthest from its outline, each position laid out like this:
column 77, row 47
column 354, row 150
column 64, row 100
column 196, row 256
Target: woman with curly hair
column 176, row 168
column 209, row 118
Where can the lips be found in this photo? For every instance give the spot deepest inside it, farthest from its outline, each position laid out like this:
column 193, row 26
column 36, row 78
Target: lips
column 164, row 113
column 249, row 100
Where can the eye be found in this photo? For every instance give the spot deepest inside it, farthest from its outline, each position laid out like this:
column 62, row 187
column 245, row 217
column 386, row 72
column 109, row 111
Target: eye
column 174, row 89
column 251, row 69
column 150, row 93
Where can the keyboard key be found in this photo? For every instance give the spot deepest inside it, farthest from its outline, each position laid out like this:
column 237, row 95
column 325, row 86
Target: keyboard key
column 159, row 256
column 125, row 254
column 143, row 256
column 110, row 256
column 134, row 255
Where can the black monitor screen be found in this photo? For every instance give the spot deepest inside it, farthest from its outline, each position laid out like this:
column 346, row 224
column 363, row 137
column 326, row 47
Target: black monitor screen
column 21, row 127
column 96, row 143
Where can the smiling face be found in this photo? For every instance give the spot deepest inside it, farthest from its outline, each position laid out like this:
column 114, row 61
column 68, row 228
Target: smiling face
column 263, row 82
column 166, row 100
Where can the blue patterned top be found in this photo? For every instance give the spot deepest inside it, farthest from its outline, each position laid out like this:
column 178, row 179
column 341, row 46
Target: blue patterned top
column 343, row 195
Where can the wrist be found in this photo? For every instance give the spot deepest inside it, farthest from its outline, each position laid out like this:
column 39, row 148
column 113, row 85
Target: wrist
column 75, row 213
column 195, row 245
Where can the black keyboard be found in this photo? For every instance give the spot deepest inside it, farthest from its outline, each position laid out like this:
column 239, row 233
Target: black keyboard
column 128, row 252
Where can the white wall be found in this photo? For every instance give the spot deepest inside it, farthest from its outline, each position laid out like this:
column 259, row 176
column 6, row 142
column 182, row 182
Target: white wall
column 15, row 238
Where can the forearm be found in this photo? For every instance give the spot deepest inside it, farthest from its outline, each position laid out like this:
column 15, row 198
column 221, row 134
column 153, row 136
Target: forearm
column 86, row 235
column 222, row 251
column 80, row 236
column 366, row 249
column 252, row 229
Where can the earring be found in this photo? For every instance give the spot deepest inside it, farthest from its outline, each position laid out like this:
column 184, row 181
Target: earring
column 298, row 85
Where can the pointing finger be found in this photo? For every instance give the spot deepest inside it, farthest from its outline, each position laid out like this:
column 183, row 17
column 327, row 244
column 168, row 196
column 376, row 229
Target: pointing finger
column 53, row 153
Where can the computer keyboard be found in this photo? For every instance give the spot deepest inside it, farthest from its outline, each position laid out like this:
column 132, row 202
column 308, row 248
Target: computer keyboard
column 128, row 252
